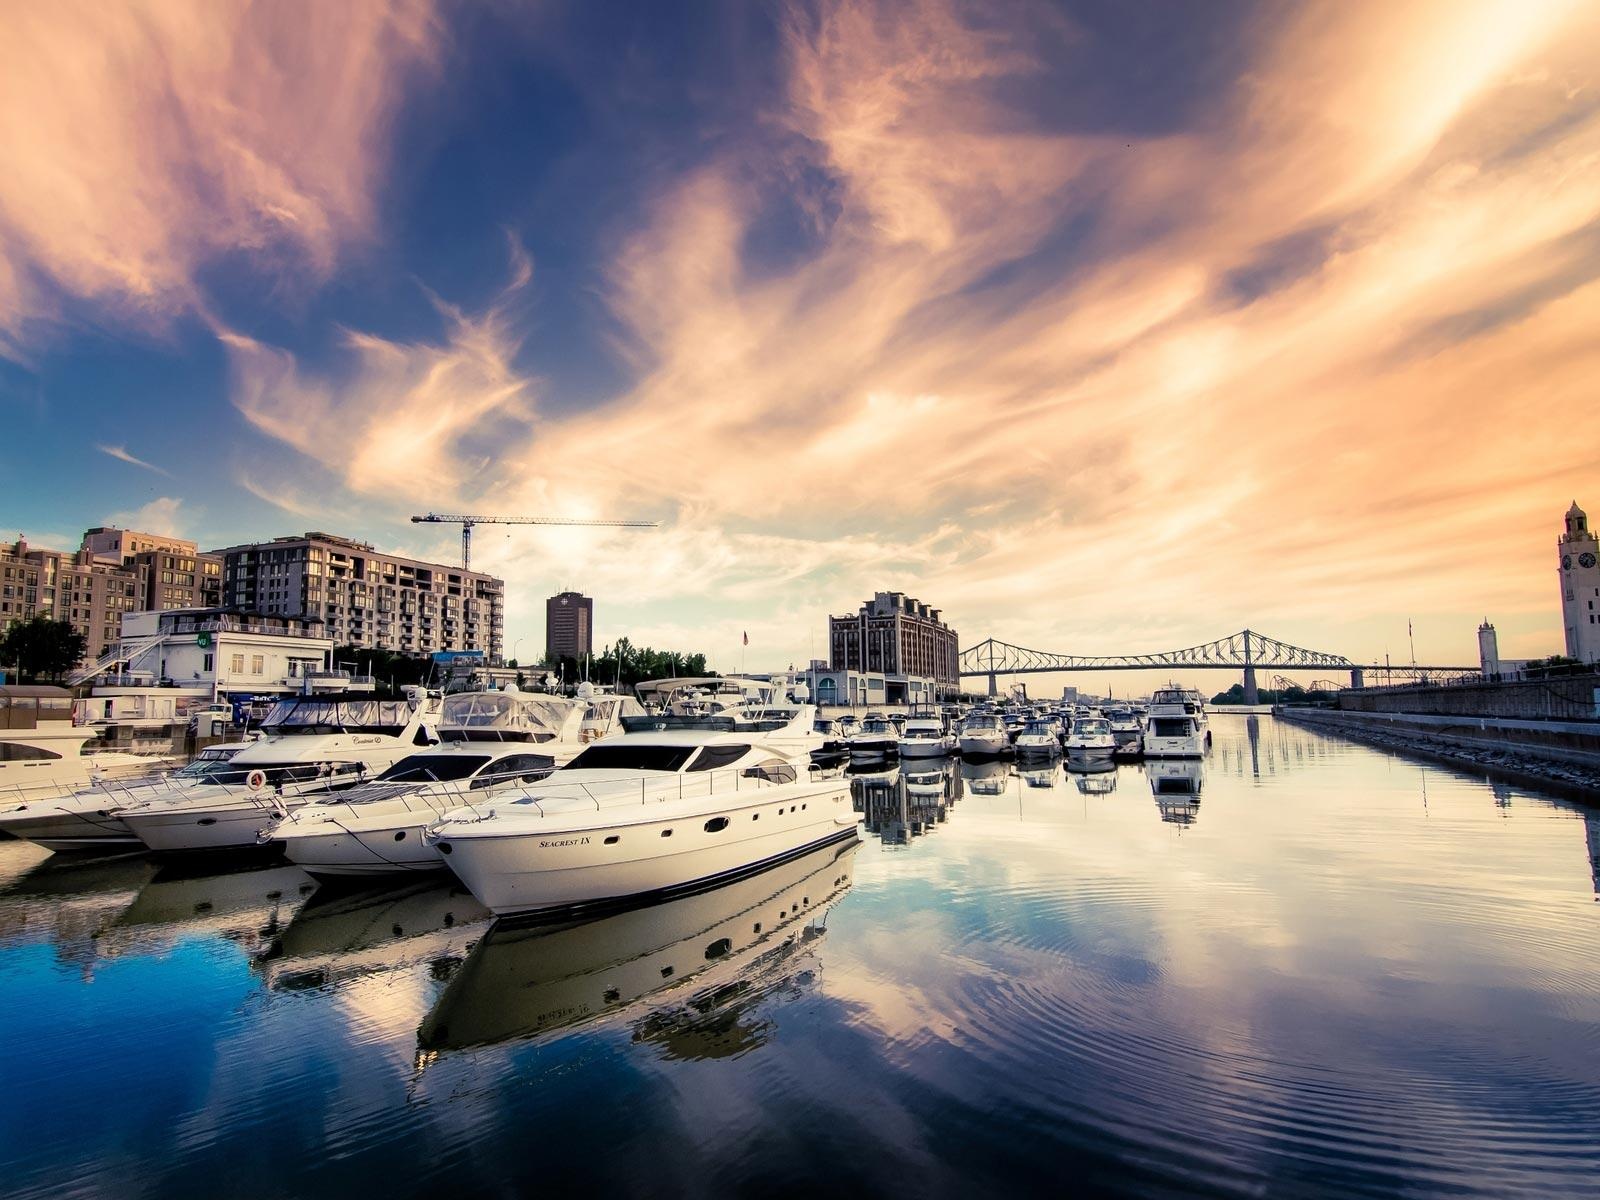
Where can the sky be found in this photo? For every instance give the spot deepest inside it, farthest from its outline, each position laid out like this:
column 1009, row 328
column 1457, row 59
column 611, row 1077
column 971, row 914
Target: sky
column 1105, row 328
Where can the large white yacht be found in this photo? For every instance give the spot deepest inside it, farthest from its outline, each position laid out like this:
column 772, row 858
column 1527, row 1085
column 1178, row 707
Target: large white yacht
column 926, row 736
column 1091, row 736
column 1039, row 736
column 88, row 818
column 311, row 745
column 643, row 814
column 984, row 733
column 43, row 754
column 1176, row 727
column 490, row 739
column 877, row 737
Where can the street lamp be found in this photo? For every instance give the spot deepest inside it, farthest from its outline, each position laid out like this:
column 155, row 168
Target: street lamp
column 514, row 645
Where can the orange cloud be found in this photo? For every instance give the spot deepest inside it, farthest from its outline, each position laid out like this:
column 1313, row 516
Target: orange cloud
column 143, row 139
column 1323, row 358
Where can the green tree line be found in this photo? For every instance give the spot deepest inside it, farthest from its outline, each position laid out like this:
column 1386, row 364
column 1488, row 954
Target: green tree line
column 40, row 648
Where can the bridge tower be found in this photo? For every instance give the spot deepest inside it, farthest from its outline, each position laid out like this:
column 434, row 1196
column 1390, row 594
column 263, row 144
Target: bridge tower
column 994, row 684
column 1251, row 694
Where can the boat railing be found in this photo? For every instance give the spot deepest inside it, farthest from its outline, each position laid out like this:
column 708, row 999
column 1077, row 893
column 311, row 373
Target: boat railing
column 670, row 786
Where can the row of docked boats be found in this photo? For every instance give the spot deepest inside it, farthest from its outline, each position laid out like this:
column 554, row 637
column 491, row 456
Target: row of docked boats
column 510, row 791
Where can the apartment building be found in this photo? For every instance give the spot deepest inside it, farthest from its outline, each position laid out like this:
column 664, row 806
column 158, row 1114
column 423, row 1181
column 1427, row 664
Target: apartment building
column 113, row 571
column 365, row 597
column 893, row 634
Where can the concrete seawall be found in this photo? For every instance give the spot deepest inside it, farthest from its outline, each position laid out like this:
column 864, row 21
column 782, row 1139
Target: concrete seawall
column 1561, row 754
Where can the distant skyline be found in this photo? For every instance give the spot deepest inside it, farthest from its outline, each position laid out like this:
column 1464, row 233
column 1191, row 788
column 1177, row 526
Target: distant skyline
column 1104, row 328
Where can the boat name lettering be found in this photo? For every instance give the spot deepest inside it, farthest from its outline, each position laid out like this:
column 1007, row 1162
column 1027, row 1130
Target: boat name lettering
column 366, row 741
column 577, row 841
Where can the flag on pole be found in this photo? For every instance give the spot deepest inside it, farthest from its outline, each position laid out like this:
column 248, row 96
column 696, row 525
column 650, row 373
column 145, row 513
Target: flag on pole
column 746, row 637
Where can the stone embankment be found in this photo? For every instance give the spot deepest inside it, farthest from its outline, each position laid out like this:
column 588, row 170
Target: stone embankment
column 1562, row 756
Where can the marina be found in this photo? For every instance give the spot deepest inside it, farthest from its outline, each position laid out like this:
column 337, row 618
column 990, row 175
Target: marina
column 1296, row 964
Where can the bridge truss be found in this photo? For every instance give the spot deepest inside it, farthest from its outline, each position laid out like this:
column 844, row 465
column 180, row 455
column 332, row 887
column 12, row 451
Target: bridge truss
column 1246, row 651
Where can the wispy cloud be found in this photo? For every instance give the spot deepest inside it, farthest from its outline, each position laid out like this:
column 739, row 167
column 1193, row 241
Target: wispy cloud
column 1326, row 350
column 122, row 455
column 143, row 140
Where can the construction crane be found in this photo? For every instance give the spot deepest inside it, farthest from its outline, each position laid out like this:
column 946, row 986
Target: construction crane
column 467, row 522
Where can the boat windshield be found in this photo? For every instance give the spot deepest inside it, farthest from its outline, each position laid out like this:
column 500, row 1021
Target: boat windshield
column 982, row 722
column 433, row 768
column 1039, row 727
column 1093, row 726
column 624, row 755
column 1170, row 727
column 876, row 725
column 313, row 715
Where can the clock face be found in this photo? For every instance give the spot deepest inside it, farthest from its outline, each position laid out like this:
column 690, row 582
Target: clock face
column 1566, row 562
column 1586, row 559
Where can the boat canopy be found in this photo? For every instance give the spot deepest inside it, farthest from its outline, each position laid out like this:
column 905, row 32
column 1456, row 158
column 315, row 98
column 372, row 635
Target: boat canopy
column 504, row 717
column 313, row 714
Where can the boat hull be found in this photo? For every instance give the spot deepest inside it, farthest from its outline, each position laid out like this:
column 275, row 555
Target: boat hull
column 1192, row 746
column 398, row 849
column 521, row 872
column 984, row 743
column 68, row 827
column 179, row 829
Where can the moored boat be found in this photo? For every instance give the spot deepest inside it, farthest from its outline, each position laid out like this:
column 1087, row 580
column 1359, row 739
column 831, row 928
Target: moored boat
column 643, row 815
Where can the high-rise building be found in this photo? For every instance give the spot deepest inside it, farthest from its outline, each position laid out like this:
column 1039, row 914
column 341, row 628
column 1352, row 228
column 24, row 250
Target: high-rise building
column 1580, row 586
column 112, row 572
column 896, row 635
column 365, row 597
column 568, row 626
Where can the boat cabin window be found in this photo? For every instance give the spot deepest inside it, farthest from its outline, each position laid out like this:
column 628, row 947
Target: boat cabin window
column 773, row 770
column 623, row 756
column 433, row 768
column 527, row 767
column 1171, row 727
column 18, row 752
column 1092, row 726
column 713, row 757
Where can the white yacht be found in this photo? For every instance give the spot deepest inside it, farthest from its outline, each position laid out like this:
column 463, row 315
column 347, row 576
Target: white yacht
column 1041, row 735
column 926, row 736
column 1125, row 725
column 1091, row 736
column 603, row 713
column 983, row 733
column 311, row 745
column 876, row 737
column 1176, row 725
column 376, row 828
column 87, row 819
column 43, row 754
column 644, row 814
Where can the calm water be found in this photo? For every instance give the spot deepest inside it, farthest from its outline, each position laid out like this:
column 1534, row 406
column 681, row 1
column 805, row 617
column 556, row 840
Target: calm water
column 1331, row 972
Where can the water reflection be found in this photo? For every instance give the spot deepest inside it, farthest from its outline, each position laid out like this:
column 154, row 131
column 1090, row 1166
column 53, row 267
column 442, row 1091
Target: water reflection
column 342, row 935
column 1176, row 784
column 986, row 777
column 68, row 900
column 686, row 974
column 247, row 905
column 1039, row 774
column 902, row 803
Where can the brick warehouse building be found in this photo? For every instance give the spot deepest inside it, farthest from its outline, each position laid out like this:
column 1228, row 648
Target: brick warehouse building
column 896, row 635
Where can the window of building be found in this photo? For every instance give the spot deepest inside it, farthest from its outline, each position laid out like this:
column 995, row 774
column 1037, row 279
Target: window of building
column 257, row 664
column 206, row 664
column 236, row 664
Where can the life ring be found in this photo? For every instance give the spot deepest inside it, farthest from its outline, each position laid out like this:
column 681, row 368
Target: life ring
column 256, row 780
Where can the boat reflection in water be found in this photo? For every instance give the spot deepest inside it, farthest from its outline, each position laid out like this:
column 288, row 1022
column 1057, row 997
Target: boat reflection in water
column 1177, row 784
column 986, row 777
column 1095, row 776
column 248, row 905
column 1043, row 775
column 899, row 805
column 343, row 935
column 685, row 972
column 67, row 900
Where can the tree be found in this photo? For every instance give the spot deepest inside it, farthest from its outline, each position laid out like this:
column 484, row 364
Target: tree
column 42, row 647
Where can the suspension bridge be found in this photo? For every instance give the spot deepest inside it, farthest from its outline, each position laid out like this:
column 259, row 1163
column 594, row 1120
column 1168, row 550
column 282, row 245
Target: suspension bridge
column 1246, row 651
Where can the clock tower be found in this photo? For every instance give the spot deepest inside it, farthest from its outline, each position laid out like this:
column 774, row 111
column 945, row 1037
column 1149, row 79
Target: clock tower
column 1579, row 570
